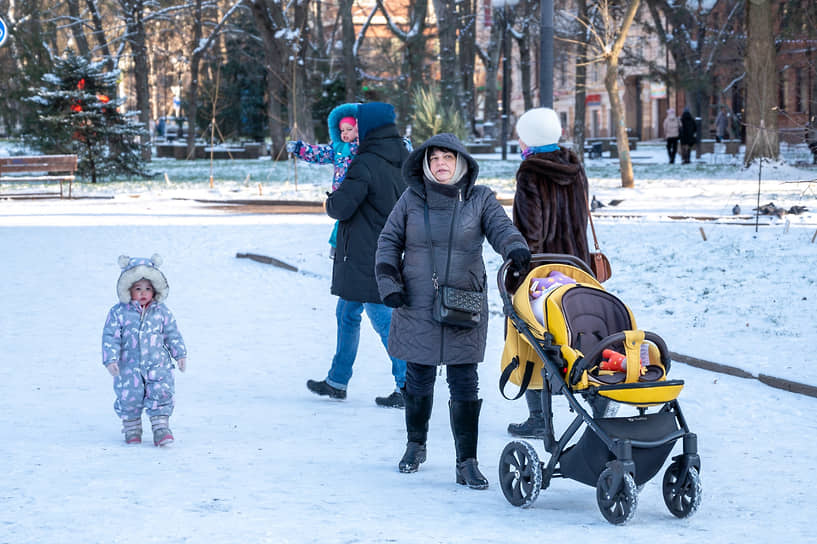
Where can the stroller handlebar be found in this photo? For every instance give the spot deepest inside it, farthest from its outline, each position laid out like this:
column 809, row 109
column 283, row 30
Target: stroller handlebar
column 536, row 260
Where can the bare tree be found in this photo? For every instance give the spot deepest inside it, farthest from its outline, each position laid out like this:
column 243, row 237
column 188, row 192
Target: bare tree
column 283, row 34
column 415, row 41
column 450, row 72
column 76, row 24
column 490, row 56
column 133, row 14
column 761, row 84
column 609, row 29
column 198, row 47
column 347, row 31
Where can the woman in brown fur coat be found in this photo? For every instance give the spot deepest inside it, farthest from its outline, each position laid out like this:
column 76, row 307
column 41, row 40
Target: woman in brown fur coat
column 550, row 210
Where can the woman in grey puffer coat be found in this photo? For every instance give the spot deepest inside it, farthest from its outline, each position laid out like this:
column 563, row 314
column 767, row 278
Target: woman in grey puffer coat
column 441, row 175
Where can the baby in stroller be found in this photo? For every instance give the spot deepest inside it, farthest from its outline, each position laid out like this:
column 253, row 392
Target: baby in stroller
column 560, row 351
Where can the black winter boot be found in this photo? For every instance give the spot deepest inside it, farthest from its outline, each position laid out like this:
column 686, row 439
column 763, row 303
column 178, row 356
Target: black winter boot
column 539, row 423
column 418, row 412
column 535, row 426
column 465, row 426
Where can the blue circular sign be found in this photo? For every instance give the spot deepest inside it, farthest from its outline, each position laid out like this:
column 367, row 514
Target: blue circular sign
column 3, row 33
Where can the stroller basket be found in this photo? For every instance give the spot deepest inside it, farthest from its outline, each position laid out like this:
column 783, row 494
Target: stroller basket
column 567, row 335
column 585, row 461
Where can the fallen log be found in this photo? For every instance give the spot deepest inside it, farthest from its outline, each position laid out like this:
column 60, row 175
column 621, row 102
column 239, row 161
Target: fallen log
column 267, row 260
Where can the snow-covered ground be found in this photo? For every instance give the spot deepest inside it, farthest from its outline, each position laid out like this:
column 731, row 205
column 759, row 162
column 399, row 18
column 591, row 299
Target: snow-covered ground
column 260, row 459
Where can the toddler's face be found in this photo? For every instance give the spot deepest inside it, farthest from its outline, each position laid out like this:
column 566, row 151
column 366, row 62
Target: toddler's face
column 348, row 132
column 142, row 292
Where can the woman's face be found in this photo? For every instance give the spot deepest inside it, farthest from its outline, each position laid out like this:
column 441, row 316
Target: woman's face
column 348, row 132
column 442, row 164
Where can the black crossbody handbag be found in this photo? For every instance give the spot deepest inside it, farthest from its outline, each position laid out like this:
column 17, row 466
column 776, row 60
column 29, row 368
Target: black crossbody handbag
column 452, row 306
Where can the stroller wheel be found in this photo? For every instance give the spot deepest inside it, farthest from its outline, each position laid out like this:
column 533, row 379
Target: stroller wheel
column 520, row 473
column 617, row 501
column 682, row 497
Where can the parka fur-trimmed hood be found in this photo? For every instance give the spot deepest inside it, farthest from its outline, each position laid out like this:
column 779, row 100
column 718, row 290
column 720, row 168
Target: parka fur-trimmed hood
column 413, row 171
column 137, row 268
column 333, row 121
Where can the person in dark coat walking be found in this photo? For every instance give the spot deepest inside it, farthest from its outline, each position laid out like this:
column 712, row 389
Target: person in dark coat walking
column 688, row 135
column 361, row 204
column 550, row 210
column 441, row 178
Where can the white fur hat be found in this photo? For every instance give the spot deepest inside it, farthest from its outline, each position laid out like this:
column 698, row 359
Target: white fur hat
column 137, row 268
column 539, row 126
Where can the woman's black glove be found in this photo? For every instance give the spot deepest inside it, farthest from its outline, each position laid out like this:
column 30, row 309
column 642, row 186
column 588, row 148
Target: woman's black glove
column 520, row 260
column 395, row 300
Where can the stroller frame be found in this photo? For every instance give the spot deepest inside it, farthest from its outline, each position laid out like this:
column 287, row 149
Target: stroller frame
column 621, row 445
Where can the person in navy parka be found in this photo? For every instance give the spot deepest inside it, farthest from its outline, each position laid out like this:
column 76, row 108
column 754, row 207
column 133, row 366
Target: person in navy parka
column 140, row 339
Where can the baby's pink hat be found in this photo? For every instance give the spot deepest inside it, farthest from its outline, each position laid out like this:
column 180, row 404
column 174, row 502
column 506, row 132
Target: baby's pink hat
column 350, row 120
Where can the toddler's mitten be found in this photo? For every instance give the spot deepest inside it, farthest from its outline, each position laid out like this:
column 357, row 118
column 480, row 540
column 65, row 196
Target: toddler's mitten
column 182, row 363
column 291, row 146
column 113, row 368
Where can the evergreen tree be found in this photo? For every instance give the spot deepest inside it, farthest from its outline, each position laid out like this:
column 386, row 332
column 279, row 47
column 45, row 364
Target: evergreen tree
column 77, row 112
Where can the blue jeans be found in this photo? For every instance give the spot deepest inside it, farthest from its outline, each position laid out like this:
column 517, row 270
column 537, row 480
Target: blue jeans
column 348, row 314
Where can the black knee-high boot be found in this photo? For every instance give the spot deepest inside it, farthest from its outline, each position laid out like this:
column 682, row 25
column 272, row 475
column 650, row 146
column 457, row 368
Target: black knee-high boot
column 465, row 427
column 418, row 412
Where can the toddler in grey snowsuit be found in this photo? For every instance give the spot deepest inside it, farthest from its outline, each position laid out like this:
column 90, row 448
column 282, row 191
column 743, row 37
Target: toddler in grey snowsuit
column 139, row 342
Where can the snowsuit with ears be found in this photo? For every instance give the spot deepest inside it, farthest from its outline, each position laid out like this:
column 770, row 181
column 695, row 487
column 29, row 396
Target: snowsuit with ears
column 142, row 343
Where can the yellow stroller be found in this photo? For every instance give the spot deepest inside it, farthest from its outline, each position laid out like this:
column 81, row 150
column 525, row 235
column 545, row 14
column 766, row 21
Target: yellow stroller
column 571, row 340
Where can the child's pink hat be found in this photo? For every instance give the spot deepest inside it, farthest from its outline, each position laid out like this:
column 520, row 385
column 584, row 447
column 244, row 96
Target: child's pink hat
column 349, row 120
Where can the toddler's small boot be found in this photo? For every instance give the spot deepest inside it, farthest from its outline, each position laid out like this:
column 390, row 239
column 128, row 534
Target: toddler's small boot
column 132, row 429
column 161, row 432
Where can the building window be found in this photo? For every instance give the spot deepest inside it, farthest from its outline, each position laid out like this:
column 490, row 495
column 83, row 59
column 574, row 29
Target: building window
column 781, row 91
column 800, row 90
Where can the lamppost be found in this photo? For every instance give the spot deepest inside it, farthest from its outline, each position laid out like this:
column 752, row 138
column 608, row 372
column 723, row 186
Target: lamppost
column 546, row 54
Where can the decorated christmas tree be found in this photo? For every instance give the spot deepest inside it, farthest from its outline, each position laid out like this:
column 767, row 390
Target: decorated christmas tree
column 78, row 113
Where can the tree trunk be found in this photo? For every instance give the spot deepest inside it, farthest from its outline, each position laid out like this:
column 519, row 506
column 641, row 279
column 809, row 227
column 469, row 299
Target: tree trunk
column 285, row 71
column 99, row 35
column 620, row 128
column 447, row 58
column 348, row 44
column 581, row 81
column 76, row 29
column 493, row 54
column 467, row 50
column 761, row 83
column 193, row 89
column 134, row 12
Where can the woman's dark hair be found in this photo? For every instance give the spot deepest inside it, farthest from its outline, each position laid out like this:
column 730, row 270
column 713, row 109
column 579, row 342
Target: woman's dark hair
column 434, row 148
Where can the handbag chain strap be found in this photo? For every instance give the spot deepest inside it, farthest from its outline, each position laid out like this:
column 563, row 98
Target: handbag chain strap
column 431, row 245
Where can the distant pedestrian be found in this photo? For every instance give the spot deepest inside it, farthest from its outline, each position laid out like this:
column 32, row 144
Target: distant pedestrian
column 672, row 129
column 721, row 125
column 689, row 135
column 140, row 340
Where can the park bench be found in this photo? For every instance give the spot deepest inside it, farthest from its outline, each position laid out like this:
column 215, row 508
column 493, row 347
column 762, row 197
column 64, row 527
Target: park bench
column 47, row 167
